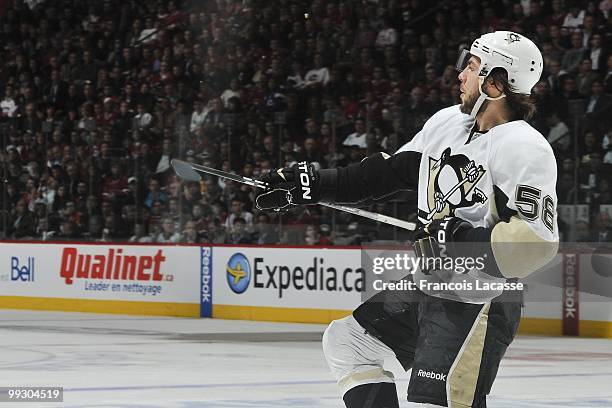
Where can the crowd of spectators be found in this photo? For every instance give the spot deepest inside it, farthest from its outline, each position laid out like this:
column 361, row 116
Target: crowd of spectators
column 99, row 96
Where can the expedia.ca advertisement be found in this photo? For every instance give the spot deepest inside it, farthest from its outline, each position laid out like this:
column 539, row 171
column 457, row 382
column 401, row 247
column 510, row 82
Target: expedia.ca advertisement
column 288, row 277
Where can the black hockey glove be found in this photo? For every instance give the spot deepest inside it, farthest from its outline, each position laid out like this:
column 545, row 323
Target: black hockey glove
column 289, row 187
column 436, row 239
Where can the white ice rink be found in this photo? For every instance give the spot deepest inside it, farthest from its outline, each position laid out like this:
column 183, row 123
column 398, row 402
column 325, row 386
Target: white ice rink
column 119, row 361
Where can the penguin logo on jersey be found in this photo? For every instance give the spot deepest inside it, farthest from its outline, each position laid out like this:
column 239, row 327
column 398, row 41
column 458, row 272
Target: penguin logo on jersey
column 452, row 184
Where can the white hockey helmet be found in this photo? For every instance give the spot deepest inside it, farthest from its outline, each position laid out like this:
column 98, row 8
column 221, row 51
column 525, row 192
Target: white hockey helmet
column 514, row 53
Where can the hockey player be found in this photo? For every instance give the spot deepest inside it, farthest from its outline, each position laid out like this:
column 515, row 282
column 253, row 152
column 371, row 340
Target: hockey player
column 486, row 184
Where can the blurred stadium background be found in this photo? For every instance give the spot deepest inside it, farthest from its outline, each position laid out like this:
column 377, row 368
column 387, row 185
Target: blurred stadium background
column 98, row 96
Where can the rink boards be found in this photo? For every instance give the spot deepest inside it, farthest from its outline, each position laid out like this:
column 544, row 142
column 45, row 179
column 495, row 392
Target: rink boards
column 125, row 279
column 274, row 283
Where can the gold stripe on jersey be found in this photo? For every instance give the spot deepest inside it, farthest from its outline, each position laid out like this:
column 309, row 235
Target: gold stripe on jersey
column 463, row 374
column 518, row 250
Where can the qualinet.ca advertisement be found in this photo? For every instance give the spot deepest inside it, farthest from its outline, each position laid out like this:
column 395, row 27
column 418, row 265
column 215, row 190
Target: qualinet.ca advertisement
column 288, row 277
column 110, row 272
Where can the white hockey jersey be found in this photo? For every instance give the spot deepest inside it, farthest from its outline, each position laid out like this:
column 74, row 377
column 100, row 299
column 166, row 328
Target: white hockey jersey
column 502, row 179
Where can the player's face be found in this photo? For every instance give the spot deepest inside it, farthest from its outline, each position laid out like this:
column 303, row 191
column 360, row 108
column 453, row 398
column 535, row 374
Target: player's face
column 469, row 85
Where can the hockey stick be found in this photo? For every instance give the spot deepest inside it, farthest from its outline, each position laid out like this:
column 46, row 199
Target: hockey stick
column 191, row 172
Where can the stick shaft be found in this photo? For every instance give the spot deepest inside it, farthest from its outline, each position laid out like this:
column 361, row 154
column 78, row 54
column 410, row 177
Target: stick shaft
column 411, row 226
column 260, row 184
column 229, row 176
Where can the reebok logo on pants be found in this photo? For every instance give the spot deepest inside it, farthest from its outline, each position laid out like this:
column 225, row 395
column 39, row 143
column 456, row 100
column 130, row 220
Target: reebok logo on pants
column 432, row 375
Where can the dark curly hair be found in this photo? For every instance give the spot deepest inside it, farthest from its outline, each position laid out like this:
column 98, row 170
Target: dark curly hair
column 521, row 106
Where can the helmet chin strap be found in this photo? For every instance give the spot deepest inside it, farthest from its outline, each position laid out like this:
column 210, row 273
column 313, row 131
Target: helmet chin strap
column 483, row 97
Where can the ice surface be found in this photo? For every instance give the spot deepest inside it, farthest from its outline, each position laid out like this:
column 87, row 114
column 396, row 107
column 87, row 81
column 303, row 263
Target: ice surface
column 119, row 361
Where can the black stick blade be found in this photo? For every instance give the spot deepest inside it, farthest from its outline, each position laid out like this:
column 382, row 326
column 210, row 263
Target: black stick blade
column 184, row 170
